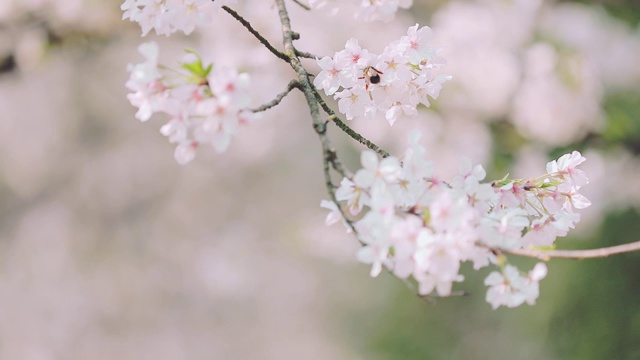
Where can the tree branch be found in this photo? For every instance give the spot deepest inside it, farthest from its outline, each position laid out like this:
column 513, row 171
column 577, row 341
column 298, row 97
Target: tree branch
column 319, row 125
column 255, row 33
column 292, row 84
column 306, row 7
column 307, row 55
column 546, row 255
column 338, row 165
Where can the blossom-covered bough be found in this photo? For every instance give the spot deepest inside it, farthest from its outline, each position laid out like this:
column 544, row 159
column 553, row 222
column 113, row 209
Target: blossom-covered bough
column 411, row 223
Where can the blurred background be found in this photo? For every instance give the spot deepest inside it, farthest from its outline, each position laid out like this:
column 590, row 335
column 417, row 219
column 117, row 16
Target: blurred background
column 110, row 250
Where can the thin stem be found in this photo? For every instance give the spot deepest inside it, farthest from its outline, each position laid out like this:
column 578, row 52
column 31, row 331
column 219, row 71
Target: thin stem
column 255, row 33
column 292, row 84
column 304, row 6
column 338, row 165
column 307, row 55
column 546, row 255
column 327, row 154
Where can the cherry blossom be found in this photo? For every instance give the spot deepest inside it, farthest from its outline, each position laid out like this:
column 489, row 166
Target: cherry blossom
column 204, row 105
column 363, row 10
column 511, row 289
column 393, row 83
column 169, row 16
column 409, row 222
column 418, row 227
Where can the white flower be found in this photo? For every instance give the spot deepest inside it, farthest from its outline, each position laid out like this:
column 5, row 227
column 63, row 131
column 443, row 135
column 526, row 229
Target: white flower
column 355, row 196
column 511, row 289
column 207, row 111
column 394, row 83
column 355, row 102
column 567, row 164
column 334, row 215
column 387, row 170
column 169, row 16
column 417, row 225
column 329, row 78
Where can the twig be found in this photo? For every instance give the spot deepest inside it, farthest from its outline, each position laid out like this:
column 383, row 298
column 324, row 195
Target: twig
column 319, row 125
column 306, row 7
column 332, row 193
column 546, row 255
column 292, row 84
column 338, row 165
column 307, row 55
column 255, row 33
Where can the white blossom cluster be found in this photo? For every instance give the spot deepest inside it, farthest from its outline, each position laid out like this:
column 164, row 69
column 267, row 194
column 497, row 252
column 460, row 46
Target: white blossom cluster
column 204, row 105
column 393, row 83
column 417, row 225
column 169, row 16
column 363, row 10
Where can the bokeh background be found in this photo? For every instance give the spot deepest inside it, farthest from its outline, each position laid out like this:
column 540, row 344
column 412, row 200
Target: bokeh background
column 110, row 250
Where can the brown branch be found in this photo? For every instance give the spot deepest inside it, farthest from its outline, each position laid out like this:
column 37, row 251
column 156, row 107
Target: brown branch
column 292, row 84
column 307, row 55
column 338, row 165
column 255, row 33
column 319, row 125
column 546, row 255
column 304, row 6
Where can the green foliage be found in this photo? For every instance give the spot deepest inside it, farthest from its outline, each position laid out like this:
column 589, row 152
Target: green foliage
column 597, row 318
column 588, row 310
column 623, row 120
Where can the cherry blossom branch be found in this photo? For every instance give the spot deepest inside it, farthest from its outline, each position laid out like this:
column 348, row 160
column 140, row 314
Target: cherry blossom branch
column 329, row 154
column 546, row 255
column 391, row 194
column 292, row 84
column 319, row 125
column 292, row 54
column 255, row 33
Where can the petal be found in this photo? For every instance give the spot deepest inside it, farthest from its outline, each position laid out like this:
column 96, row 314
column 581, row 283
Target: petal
column 539, row 272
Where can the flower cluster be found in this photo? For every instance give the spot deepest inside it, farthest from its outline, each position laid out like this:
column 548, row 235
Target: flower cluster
column 511, row 289
column 394, row 83
column 364, row 10
column 169, row 16
column 421, row 226
column 204, row 105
